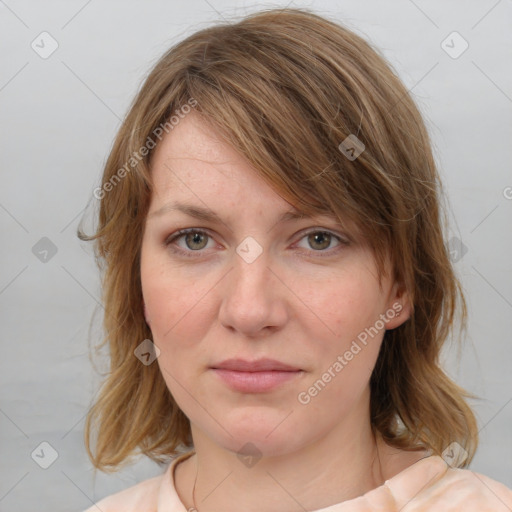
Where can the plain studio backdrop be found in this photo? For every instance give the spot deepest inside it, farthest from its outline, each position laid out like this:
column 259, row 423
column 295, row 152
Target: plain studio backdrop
column 69, row 70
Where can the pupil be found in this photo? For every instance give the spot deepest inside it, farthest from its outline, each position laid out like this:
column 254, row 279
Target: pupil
column 196, row 238
column 317, row 237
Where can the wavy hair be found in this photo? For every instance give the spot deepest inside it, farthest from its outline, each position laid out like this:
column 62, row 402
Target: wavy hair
column 285, row 87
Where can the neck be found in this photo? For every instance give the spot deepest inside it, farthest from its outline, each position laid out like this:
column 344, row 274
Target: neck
column 337, row 467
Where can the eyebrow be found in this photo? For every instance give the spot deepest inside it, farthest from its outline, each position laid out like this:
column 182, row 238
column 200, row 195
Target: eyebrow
column 208, row 215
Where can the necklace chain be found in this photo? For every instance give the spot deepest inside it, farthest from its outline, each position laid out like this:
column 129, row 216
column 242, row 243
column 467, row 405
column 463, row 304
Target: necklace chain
column 194, row 495
column 195, row 509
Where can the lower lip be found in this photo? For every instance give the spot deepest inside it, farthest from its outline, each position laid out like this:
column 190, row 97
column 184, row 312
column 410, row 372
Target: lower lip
column 255, row 382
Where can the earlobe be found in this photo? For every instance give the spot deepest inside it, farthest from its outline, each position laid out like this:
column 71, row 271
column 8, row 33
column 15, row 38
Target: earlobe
column 146, row 316
column 399, row 309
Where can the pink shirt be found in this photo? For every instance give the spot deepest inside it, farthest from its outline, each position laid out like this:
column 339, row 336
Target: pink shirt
column 428, row 485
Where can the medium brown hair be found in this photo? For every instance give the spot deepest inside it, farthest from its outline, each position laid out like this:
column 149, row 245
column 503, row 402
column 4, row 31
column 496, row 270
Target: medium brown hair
column 285, row 87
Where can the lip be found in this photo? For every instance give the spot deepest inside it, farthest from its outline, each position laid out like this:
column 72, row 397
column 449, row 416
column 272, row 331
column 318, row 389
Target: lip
column 259, row 365
column 255, row 376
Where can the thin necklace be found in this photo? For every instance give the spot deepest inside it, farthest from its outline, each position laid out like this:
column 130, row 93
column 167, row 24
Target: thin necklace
column 195, row 480
column 194, row 494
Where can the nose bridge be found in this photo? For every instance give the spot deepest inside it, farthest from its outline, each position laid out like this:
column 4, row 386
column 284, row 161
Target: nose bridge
column 251, row 300
column 251, row 269
column 251, row 272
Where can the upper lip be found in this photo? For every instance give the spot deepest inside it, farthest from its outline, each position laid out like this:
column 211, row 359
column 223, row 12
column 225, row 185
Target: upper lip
column 259, row 365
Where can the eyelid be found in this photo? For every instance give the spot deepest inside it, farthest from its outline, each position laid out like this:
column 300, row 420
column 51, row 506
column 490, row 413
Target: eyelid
column 343, row 240
column 169, row 241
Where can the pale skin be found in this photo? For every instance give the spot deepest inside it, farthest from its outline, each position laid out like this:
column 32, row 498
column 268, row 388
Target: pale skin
column 301, row 301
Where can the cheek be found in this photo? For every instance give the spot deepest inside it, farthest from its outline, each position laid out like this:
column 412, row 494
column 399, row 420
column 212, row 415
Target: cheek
column 179, row 309
column 345, row 306
column 177, row 316
column 178, row 321
column 171, row 296
column 348, row 314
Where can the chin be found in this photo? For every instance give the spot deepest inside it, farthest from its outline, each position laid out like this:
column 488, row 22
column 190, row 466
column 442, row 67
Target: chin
column 264, row 434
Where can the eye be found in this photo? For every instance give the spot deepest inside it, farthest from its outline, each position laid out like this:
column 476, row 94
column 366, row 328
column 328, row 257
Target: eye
column 194, row 240
column 319, row 240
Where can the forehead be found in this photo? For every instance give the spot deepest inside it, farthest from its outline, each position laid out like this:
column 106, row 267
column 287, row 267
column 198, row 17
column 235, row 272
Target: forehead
column 192, row 139
column 193, row 164
column 193, row 161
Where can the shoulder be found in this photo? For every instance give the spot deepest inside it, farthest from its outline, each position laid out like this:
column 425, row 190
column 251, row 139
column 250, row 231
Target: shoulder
column 463, row 486
column 142, row 496
column 430, row 484
column 151, row 495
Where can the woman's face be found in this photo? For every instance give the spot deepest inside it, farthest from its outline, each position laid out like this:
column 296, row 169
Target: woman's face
column 246, row 284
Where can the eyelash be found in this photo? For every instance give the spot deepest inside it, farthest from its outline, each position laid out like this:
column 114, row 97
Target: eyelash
column 169, row 242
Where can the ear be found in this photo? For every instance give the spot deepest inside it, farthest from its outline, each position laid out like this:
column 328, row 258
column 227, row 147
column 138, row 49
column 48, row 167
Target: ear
column 146, row 316
column 399, row 307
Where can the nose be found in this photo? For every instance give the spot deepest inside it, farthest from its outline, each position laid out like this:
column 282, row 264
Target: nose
column 253, row 297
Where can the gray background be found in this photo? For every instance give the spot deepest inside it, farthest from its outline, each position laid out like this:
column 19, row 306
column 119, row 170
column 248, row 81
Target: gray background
column 58, row 119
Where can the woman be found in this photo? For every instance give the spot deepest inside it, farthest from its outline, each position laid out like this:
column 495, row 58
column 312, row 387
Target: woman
column 276, row 286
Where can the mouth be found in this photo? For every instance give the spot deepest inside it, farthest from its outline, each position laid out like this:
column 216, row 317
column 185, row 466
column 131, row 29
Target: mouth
column 255, row 376
column 258, row 365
